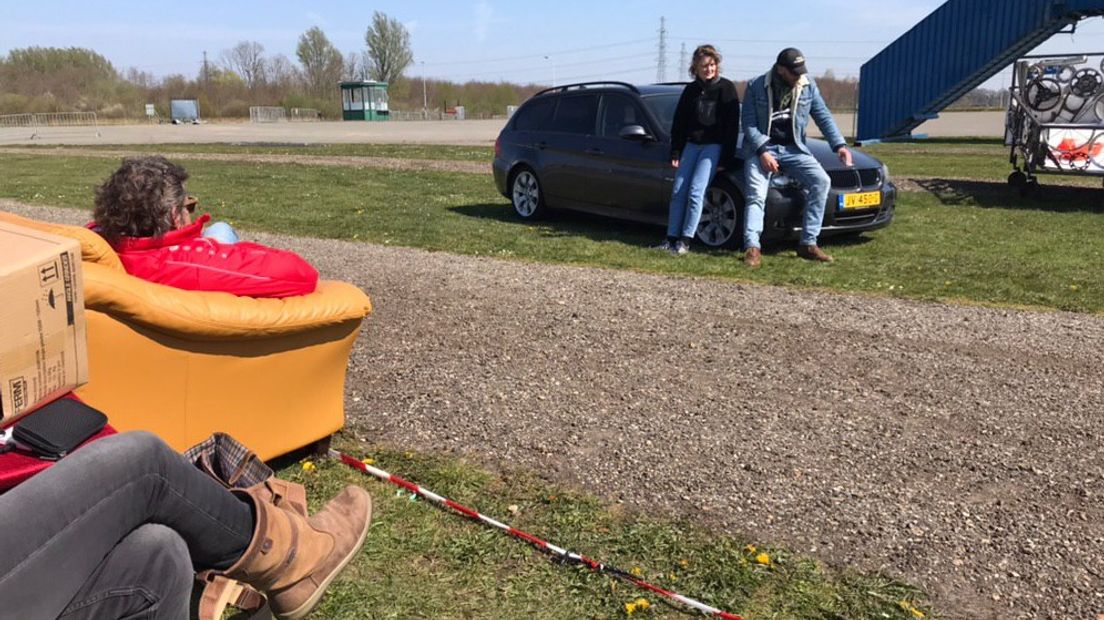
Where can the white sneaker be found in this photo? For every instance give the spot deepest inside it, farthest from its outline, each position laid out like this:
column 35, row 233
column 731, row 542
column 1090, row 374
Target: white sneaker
column 680, row 248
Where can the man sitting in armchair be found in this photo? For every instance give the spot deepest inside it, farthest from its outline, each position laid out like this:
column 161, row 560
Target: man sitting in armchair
column 143, row 211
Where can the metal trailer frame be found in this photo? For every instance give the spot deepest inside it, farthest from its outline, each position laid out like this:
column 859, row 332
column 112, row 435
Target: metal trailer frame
column 1042, row 86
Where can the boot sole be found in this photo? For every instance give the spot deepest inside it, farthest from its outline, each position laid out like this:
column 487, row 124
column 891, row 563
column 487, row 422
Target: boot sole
column 306, row 608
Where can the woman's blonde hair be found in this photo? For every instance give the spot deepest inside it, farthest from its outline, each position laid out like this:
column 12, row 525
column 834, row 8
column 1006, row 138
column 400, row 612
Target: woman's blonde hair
column 704, row 51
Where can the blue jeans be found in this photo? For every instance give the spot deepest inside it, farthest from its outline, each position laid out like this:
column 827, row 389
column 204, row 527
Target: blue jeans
column 696, row 168
column 221, row 232
column 799, row 166
column 115, row 530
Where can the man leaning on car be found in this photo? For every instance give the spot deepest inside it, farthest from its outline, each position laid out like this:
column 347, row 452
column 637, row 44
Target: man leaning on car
column 776, row 111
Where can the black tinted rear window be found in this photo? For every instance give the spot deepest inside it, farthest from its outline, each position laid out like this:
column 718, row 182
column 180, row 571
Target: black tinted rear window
column 576, row 114
column 535, row 115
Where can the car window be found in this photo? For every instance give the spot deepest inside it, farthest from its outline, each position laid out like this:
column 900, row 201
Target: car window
column 576, row 114
column 534, row 115
column 663, row 107
column 618, row 112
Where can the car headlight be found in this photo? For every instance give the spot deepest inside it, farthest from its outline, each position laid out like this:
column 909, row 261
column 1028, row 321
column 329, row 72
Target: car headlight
column 885, row 174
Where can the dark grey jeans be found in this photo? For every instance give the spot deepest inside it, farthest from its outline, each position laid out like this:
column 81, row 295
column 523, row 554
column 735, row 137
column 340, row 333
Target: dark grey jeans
column 115, row 530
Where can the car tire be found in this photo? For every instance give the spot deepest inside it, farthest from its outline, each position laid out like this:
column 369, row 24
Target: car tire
column 526, row 195
column 722, row 219
column 1017, row 179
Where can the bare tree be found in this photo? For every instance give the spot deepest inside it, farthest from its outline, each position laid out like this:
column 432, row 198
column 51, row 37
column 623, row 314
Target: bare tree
column 354, row 67
column 322, row 63
column 247, row 60
column 282, row 72
column 388, row 48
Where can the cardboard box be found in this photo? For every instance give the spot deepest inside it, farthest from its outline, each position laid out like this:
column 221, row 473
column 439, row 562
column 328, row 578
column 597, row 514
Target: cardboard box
column 43, row 348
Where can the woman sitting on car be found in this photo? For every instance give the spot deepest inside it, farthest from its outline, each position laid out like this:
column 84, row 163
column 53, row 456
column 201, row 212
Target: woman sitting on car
column 704, row 133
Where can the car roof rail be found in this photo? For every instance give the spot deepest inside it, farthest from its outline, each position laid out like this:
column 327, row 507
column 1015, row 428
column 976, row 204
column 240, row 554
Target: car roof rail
column 584, row 85
column 670, row 83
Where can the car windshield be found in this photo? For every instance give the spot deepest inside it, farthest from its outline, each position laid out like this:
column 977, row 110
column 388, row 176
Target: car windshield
column 663, row 107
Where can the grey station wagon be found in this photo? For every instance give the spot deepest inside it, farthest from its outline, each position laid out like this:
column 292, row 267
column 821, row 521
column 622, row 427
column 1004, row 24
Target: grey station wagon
column 603, row 147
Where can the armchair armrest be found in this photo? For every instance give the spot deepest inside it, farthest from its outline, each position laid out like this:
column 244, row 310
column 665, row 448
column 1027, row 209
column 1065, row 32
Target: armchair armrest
column 93, row 247
column 200, row 315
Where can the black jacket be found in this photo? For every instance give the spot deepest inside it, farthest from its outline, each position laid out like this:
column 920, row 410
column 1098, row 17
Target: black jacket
column 707, row 113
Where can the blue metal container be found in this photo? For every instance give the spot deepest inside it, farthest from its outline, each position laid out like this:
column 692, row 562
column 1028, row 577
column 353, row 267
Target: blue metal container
column 952, row 51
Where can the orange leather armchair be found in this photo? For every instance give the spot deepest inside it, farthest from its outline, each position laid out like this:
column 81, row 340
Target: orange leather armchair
column 183, row 364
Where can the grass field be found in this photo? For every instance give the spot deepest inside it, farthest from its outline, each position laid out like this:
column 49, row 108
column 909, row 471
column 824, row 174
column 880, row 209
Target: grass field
column 960, row 234
column 422, row 562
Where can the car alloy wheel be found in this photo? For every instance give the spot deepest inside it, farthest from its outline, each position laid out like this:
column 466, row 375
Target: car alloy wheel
column 526, row 194
column 720, row 218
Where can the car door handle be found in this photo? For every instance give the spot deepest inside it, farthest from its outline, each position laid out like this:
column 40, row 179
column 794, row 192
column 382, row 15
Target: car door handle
column 541, row 145
column 595, row 152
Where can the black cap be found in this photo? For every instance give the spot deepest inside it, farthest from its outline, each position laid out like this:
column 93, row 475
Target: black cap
column 793, row 59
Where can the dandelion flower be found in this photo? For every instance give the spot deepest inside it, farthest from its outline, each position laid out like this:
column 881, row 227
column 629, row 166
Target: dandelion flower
column 630, row 608
column 750, row 548
column 636, row 571
column 308, row 466
column 368, row 461
column 763, row 559
column 642, row 604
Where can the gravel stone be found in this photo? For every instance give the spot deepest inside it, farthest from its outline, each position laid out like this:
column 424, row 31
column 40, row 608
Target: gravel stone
column 955, row 447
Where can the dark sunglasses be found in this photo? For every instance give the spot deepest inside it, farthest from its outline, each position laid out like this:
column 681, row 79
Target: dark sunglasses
column 190, row 204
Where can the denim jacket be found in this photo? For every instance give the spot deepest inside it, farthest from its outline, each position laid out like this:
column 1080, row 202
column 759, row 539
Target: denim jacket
column 756, row 114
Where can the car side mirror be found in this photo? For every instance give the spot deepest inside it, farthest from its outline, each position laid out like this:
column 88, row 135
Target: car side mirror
column 635, row 132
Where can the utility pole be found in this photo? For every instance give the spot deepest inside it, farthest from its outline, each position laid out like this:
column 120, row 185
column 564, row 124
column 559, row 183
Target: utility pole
column 682, row 58
column 661, row 62
column 549, row 58
column 206, row 75
column 425, row 101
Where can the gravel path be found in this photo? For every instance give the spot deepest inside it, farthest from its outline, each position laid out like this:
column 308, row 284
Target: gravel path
column 955, row 447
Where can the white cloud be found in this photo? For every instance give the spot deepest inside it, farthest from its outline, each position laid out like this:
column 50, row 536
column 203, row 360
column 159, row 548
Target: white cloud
column 484, row 15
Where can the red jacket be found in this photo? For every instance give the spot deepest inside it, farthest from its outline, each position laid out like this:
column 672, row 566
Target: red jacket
column 184, row 259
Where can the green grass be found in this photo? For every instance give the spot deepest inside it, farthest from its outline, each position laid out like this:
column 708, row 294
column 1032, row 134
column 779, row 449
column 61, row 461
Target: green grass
column 972, row 241
column 421, row 561
column 403, row 151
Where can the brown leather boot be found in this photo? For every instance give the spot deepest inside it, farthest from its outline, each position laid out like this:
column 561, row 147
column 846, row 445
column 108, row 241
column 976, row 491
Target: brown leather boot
column 217, row 591
column 284, row 494
column 292, row 559
column 812, row 252
column 753, row 258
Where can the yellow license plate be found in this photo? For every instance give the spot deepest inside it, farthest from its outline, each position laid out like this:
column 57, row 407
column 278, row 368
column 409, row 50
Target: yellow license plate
column 862, row 200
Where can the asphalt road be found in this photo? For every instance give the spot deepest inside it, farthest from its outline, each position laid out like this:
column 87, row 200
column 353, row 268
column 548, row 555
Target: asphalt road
column 471, row 132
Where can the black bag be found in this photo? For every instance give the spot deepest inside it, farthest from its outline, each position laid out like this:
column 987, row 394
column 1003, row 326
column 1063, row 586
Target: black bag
column 57, row 428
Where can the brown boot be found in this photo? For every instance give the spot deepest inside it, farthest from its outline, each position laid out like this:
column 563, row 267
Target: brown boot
column 284, row 494
column 217, row 591
column 753, row 258
column 293, row 559
column 812, row 252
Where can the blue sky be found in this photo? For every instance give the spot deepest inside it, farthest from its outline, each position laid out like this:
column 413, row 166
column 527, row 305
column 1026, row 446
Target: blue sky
column 571, row 40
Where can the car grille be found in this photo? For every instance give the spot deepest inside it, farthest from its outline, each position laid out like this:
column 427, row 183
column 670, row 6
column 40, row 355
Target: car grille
column 854, row 179
column 846, row 218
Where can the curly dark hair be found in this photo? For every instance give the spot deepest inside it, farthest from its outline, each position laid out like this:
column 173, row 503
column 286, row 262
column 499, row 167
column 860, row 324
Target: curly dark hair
column 140, row 198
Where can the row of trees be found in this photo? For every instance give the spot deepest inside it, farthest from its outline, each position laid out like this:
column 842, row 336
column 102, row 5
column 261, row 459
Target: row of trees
column 62, row 80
